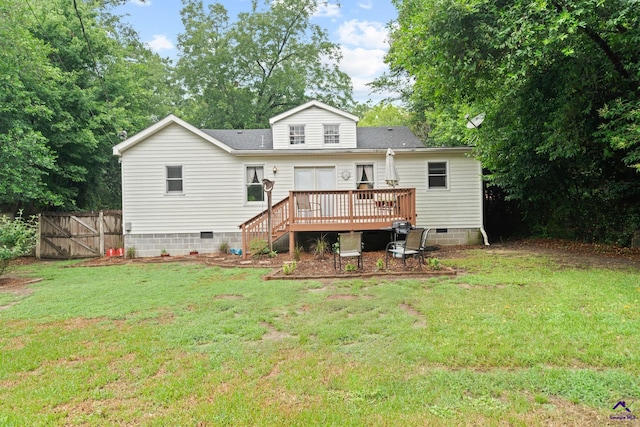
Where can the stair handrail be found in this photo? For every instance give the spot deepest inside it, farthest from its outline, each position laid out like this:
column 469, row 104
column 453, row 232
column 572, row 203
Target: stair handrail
column 256, row 227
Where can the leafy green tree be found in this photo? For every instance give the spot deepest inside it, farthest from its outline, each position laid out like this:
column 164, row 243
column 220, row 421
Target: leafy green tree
column 384, row 114
column 25, row 159
column 238, row 74
column 558, row 81
column 76, row 77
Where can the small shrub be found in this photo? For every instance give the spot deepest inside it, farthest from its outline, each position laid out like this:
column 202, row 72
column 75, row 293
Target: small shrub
column 259, row 248
column 224, row 248
column 131, row 252
column 350, row 267
column 17, row 238
column 380, row 264
column 434, row 264
column 320, row 247
column 289, row 267
column 297, row 253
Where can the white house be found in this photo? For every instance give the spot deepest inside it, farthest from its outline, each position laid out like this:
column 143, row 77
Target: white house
column 186, row 188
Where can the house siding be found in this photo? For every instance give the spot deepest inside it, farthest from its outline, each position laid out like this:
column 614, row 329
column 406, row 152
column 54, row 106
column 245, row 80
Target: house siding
column 458, row 206
column 213, row 198
column 314, row 120
column 213, row 189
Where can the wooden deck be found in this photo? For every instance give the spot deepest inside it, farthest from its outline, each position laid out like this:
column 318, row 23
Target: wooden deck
column 331, row 211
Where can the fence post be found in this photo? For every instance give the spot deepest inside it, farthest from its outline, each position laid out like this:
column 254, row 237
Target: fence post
column 39, row 237
column 101, row 230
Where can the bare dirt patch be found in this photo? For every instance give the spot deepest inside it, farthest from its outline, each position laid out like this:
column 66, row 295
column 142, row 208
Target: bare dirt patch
column 272, row 333
column 16, row 285
column 576, row 254
column 420, row 322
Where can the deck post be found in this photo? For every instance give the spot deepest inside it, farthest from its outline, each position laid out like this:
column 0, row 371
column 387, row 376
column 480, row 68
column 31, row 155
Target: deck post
column 292, row 234
column 292, row 243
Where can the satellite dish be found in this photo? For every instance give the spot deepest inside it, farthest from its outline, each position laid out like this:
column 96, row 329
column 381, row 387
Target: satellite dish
column 475, row 122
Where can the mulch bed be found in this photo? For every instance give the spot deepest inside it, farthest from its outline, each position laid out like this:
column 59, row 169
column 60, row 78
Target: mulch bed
column 373, row 264
column 308, row 267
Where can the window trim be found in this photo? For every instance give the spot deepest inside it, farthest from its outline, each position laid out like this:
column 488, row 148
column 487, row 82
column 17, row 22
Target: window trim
column 335, row 136
column 371, row 179
column 297, row 133
column 446, row 175
column 167, row 179
column 247, row 184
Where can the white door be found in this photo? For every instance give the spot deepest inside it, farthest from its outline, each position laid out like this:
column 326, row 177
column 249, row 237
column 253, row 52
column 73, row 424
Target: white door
column 318, row 178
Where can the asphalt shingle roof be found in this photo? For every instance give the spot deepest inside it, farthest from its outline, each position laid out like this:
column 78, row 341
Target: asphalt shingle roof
column 368, row 138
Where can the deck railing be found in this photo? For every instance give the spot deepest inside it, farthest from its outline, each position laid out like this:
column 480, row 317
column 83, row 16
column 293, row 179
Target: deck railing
column 336, row 210
column 332, row 210
column 258, row 226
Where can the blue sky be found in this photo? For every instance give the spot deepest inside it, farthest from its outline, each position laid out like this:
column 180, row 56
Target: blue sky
column 358, row 26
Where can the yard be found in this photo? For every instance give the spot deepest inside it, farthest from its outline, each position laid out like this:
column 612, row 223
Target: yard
column 525, row 334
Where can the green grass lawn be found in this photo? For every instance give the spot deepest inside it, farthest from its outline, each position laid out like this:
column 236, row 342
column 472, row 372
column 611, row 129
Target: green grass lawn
column 515, row 340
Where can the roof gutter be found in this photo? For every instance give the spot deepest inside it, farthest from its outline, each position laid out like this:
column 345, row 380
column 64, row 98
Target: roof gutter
column 280, row 153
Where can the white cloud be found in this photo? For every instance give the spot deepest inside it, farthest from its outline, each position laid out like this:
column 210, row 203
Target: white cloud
column 361, row 62
column 368, row 34
column 159, row 42
column 326, row 10
column 141, row 2
column 365, row 5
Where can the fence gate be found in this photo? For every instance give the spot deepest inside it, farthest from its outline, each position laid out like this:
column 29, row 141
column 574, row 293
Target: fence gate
column 78, row 234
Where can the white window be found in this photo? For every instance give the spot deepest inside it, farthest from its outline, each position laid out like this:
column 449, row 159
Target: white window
column 174, row 179
column 331, row 134
column 364, row 180
column 296, row 134
column 364, row 177
column 254, row 176
column 437, row 175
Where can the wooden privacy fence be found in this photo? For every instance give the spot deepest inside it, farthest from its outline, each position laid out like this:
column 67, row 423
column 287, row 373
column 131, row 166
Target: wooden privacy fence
column 78, row 234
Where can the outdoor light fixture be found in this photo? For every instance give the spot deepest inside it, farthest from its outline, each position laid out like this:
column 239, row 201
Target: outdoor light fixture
column 275, row 170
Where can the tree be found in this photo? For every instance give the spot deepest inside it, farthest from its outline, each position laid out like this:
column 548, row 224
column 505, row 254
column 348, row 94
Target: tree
column 26, row 76
column 558, row 81
column 239, row 74
column 384, row 114
column 76, row 78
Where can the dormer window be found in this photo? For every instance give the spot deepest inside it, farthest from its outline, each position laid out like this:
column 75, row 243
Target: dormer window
column 331, row 134
column 296, row 134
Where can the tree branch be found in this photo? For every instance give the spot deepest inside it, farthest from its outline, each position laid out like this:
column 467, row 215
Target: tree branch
column 614, row 59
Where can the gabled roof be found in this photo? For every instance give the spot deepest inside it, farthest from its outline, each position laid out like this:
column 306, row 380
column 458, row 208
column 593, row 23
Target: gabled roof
column 311, row 104
column 260, row 141
column 169, row 120
column 368, row 138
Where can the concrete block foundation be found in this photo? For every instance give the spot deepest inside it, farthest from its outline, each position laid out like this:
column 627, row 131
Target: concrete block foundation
column 148, row 245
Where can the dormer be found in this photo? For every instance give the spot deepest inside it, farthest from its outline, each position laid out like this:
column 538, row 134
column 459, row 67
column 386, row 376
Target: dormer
column 314, row 126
